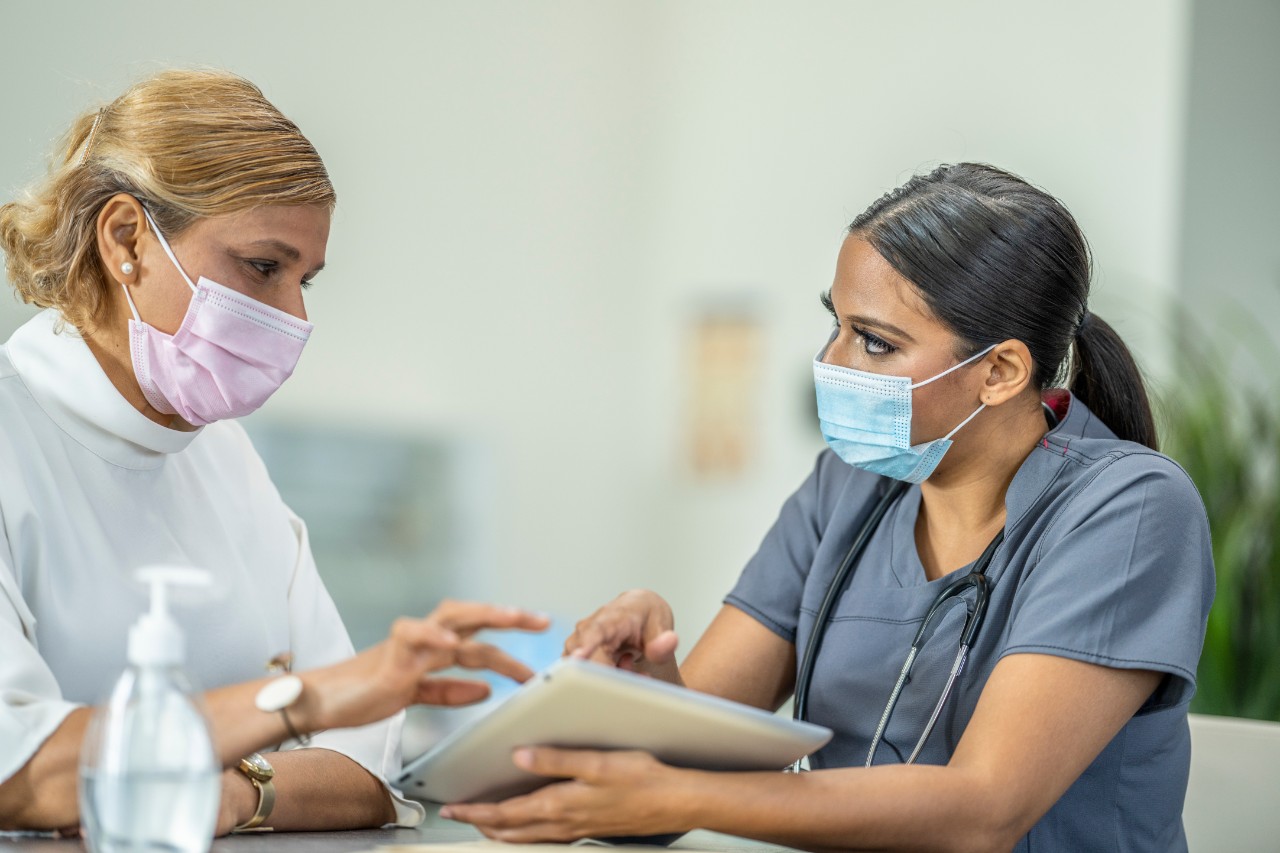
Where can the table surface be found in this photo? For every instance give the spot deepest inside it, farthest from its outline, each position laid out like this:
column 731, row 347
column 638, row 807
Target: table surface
column 434, row 830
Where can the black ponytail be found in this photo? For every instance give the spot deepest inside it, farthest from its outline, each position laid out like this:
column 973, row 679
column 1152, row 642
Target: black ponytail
column 997, row 259
column 1108, row 381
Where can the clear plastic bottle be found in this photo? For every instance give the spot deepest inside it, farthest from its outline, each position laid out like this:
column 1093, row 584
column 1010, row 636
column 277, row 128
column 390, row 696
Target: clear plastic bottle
column 150, row 781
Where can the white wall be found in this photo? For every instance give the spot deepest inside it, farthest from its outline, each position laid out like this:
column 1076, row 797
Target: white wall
column 533, row 196
column 1229, row 252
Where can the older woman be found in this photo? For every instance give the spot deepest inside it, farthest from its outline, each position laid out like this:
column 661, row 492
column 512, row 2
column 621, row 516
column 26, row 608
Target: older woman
column 170, row 247
column 992, row 586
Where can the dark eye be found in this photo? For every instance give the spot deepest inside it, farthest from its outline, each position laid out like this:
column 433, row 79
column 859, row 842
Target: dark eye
column 264, row 268
column 874, row 345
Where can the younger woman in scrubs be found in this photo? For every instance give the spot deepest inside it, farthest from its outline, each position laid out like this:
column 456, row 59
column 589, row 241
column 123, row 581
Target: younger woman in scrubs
column 170, row 247
column 965, row 365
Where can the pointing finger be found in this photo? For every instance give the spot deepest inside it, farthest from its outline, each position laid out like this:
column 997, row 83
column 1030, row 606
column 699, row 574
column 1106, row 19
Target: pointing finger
column 465, row 617
column 423, row 635
column 485, row 656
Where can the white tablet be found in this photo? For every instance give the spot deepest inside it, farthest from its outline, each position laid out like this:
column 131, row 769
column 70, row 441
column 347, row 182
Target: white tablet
column 575, row 703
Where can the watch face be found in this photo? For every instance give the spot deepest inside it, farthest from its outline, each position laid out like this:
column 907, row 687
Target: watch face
column 279, row 693
column 256, row 767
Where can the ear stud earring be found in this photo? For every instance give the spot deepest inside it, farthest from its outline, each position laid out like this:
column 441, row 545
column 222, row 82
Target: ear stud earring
column 126, row 268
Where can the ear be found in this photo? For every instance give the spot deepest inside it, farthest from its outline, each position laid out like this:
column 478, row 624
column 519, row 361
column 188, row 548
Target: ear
column 1010, row 371
column 120, row 223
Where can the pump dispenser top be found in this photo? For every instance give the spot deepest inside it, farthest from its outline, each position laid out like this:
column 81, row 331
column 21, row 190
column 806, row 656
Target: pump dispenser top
column 156, row 639
column 149, row 775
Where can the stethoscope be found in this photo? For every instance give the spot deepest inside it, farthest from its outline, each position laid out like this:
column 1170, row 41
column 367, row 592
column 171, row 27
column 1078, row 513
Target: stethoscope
column 976, row 580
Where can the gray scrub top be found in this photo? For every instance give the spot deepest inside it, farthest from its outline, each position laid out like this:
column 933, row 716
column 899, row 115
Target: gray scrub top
column 1106, row 559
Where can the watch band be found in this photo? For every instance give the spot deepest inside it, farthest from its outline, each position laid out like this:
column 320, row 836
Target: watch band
column 277, row 696
column 260, row 774
column 280, row 693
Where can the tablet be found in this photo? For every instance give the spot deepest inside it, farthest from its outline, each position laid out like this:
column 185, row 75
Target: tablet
column 576, row 703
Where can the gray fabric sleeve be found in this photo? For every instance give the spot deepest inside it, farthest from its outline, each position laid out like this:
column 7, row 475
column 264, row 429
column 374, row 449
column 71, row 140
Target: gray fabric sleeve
column 771, row 585
column 1123, row 577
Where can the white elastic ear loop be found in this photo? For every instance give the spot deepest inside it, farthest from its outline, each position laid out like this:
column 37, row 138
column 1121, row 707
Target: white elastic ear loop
column 164, row 244
column 132, row 307
column 947, row 437
column 968, row 360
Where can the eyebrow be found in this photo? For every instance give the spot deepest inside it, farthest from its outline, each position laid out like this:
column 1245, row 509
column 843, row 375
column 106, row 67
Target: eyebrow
column 879, row 324
column 863, row 320
column 285, row 249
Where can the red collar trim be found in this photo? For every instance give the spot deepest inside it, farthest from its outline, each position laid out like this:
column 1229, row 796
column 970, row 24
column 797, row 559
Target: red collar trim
column 1058, row 399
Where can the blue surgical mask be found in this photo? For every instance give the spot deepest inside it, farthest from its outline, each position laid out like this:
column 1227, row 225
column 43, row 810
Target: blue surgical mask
column 866, row 419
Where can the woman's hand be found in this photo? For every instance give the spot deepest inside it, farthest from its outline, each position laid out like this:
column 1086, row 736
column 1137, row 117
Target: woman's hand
column 238, row 804
column 635, row 631
column 382, row 680
column 607, row 794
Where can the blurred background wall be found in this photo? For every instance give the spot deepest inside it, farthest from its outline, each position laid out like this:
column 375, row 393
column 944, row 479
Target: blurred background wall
column 546, row 212
column 1229, row 242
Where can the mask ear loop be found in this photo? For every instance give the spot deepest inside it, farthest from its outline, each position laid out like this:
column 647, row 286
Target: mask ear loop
column 132, row 307
column 976, row 412
column 968, row 360
column 164, row 244
column 954, row 367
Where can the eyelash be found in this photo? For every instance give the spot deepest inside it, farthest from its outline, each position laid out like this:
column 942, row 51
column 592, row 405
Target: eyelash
column 266, row 268
column 872, row 345
column 262, row 268
column 882, row 347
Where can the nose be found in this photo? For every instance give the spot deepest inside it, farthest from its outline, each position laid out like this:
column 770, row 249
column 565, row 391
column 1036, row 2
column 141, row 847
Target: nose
column 295, row 304
column 825, row 353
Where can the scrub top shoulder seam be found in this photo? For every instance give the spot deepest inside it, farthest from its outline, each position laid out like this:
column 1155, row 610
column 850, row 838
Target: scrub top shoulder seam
column 1103, row 464
column 1061, row 510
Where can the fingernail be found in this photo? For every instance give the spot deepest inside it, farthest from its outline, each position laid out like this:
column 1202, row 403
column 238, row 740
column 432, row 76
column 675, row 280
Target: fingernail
column 578, row 654
column 522, row 757
column 446, row 813
column 449, row 636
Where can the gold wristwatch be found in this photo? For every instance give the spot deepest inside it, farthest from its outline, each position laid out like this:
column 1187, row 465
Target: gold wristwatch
column 260, row 773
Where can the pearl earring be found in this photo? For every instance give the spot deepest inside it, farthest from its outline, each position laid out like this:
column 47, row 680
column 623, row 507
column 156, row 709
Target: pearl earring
column 126, row 268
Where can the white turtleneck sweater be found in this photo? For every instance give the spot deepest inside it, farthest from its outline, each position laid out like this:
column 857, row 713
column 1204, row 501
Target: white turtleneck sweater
column 91, row 490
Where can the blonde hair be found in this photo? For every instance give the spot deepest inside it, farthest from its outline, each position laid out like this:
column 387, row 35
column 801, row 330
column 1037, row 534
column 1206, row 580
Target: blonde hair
column 188, row 145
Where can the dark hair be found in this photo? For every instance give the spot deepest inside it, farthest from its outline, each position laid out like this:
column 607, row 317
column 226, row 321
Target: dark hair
column 998, row 259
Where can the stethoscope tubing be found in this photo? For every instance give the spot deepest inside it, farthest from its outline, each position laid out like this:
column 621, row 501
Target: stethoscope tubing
column 804, row 675
column 976, row 579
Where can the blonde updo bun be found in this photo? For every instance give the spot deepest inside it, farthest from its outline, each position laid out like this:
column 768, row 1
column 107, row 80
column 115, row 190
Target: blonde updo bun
column 188, row 145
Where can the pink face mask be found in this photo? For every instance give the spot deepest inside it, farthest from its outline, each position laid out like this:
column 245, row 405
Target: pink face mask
column 229, row 355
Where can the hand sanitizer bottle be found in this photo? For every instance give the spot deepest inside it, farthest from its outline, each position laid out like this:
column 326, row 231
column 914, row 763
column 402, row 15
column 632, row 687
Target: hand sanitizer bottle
column 149, row 779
